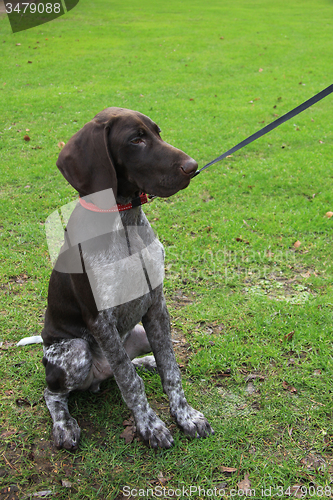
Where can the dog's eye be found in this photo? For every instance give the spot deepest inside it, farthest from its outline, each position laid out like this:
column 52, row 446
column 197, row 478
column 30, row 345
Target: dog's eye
column 137, row 140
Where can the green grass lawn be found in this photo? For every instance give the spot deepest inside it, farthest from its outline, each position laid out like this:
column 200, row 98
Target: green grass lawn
column 252, row 314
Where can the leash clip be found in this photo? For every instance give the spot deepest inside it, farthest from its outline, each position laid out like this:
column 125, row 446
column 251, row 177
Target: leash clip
column 151, row 197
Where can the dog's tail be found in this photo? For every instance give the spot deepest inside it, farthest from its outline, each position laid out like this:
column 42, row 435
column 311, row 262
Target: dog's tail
column 36, row 339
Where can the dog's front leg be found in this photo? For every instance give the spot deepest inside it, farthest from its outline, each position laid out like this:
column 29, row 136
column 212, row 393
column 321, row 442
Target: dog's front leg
column 157, row 325
column 148, row 425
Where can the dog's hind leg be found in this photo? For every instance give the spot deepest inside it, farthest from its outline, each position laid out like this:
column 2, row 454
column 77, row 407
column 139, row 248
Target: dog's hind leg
column 67, row 367
column 136, row 344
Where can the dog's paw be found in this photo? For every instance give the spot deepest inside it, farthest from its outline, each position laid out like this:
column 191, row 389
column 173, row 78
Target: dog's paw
column 66, row 434
column 192, row 422
column 153, row 431
column 147, row 363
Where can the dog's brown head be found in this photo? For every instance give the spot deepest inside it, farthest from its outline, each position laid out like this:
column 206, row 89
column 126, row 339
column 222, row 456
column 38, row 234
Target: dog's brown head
column 122, row 149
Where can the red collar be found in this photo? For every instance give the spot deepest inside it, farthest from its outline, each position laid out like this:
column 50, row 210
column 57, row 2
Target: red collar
column 136, row 202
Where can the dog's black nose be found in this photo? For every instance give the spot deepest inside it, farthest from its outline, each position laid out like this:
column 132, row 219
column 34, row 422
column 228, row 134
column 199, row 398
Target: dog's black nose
column 190, row 166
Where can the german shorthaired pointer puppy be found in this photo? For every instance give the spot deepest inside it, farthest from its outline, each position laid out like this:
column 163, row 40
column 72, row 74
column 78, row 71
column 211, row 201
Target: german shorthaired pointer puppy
column 108, row 277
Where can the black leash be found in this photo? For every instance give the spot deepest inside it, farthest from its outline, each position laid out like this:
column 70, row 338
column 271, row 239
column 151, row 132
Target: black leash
column 271, row 126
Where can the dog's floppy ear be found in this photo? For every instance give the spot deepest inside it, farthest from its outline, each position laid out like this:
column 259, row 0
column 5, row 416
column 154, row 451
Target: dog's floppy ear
column 86, row 163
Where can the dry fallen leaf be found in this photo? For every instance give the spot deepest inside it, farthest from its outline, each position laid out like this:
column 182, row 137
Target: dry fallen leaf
column 245, row 484
column 297, row 244
column 66, row 484
column 61, row 144
column 163, row 480
column 289, row 335
column 313, row 462
column 260, row 70
column 329, row 214
column 129, row 431
column 7, row 434
column 26, row 138
column 288, row 387
column 128, row 434
column 42, row 494
column 228, row 469
column 226, row 373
